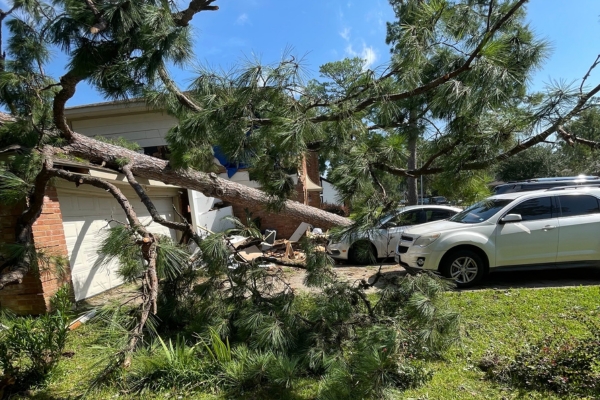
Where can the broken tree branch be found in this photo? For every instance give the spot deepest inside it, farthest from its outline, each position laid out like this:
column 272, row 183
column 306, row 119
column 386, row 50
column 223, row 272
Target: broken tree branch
column 156, row 217
column 172, row 87
column 211, row 185
column 101, row 22
column 184, row 17
column 148, row 246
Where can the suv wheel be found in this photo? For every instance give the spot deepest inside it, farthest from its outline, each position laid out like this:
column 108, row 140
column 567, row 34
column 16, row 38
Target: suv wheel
column 464, row 267
column 362, row 253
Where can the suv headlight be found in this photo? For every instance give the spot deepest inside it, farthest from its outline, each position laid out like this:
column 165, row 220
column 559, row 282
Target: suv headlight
column 426, row 240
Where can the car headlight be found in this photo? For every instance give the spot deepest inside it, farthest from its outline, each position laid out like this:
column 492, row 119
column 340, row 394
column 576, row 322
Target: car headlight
column 426, row 240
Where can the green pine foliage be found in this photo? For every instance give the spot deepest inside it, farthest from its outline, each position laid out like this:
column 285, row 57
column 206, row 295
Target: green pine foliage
column 236, row 325
column 246, row 328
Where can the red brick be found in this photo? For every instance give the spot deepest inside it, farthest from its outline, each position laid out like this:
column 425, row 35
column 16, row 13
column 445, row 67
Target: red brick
column 33, row 295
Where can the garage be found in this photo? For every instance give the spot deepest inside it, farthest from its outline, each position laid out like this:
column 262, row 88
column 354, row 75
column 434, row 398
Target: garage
column 85, row 211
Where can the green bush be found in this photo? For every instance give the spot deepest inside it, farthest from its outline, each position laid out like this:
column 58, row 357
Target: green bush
column 564, row 365
column 169, row 365
column 31, row 347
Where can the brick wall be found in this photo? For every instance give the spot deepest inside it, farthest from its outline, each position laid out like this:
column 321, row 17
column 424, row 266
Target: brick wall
column 312, row 170
column 284, row 225
column 49, row 237
column 33, row 295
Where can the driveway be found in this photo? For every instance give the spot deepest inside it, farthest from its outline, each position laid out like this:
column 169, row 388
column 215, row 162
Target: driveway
column 498, row 280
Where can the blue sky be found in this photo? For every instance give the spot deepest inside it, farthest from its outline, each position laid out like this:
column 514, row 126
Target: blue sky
column 329, row 30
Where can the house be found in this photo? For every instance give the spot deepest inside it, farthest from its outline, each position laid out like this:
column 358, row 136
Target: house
column 74, row 218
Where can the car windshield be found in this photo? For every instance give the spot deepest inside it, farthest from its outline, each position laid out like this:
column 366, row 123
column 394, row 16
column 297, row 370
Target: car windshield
column 481, row 211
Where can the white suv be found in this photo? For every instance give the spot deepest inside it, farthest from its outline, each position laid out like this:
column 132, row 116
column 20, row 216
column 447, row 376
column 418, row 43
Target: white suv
column 542, row 229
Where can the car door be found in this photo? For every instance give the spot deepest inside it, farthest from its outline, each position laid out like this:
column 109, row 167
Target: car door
column 579, row 222
column 399, row 224
column 534, row 239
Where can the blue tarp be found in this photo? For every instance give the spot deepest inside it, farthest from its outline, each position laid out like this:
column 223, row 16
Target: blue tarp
column 231, row 166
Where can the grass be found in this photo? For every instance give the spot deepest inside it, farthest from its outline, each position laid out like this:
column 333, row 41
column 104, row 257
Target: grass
column 501, row 321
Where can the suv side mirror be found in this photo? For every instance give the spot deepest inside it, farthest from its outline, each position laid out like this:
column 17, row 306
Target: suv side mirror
column 511, row 218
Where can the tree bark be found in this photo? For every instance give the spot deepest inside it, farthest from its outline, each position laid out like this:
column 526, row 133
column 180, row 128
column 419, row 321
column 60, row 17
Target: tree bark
column 209, row 184
column 24, row 227
column 413, row 137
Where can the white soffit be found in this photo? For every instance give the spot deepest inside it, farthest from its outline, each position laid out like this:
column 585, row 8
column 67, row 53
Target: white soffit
column 311, row 186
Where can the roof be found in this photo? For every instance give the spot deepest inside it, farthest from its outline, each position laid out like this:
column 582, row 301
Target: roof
column 109, row 109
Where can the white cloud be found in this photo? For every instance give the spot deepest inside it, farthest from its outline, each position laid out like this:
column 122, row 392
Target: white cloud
column 345, row 34
column 367, row 53
column 242, row 19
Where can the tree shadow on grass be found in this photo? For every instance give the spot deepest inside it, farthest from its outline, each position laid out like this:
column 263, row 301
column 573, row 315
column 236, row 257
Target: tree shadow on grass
column 585, row 276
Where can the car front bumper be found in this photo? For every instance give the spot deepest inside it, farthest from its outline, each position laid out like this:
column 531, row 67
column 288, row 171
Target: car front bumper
column 418, row 258
column 338, row 251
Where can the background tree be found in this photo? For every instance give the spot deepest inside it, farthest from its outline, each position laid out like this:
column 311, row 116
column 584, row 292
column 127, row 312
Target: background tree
column 431, row 38
column 539, row 161
column 577, row 158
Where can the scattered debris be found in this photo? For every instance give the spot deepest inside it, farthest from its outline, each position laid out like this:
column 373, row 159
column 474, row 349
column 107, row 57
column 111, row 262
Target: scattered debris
column 251, row 253
column 83, row 319
column 271, row 250
column 301, row 230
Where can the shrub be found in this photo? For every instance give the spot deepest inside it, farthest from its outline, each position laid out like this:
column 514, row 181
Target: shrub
column 31, row 347
column 564, row 365
column 169, row 365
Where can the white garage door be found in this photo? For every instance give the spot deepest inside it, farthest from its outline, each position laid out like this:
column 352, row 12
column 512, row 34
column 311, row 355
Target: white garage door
column 85, row 224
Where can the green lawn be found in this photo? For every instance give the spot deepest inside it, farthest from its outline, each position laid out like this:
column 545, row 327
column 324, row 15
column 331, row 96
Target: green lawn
column 501, row 321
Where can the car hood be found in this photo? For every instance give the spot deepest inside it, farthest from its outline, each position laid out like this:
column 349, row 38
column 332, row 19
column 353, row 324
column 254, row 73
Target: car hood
column 439, row 226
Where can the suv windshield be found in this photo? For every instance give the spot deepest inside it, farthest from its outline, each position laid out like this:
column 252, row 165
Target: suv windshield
column 481, row 211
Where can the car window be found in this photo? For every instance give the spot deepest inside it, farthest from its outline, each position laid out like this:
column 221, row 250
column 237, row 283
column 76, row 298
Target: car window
column 533, row 209
column 571, row 206
column 412, row 217
column 437, row 215
column 481, row 211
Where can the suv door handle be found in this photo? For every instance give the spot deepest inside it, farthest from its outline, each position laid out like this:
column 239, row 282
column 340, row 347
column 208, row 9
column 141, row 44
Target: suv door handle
column 548, row 227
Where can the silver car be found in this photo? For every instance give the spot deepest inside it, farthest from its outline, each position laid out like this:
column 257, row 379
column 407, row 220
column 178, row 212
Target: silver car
column 381, row 242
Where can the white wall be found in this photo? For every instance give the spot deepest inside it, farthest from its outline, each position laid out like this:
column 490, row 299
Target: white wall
column 330, row 194
column 147, row 129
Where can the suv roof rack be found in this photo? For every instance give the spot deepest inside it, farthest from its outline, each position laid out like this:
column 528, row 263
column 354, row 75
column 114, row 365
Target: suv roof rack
column 563, row 178
column 572, row 187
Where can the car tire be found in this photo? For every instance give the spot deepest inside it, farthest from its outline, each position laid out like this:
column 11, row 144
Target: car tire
column 464, row 267
column 362, row 253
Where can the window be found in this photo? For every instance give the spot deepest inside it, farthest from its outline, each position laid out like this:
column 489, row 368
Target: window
column 437, row 215
column 412, row 217
column 481, row 211
column 530, row 210
column 571, row 206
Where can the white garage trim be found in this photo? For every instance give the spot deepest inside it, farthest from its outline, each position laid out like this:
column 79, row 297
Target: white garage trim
column 85, row 211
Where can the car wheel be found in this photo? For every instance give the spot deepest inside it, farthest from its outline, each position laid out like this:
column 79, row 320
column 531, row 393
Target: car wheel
column 362, row 253
column 464, row 267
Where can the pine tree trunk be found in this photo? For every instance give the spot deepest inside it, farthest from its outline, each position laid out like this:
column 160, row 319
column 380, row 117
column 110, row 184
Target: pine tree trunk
column 413, row 136
column 209, row 184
